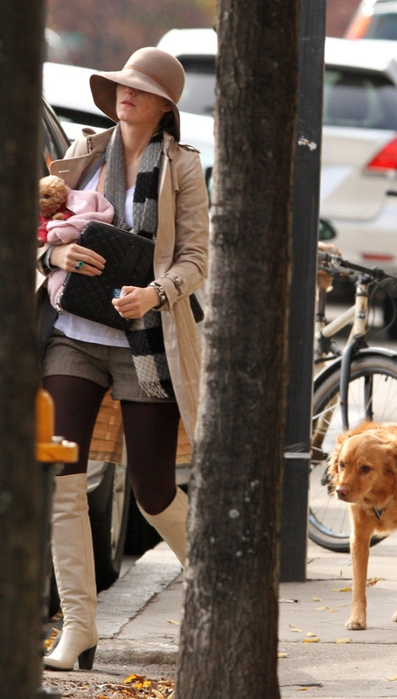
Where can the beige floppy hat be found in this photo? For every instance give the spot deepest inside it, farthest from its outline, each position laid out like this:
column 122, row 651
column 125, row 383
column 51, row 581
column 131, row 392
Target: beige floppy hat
column 148, row 69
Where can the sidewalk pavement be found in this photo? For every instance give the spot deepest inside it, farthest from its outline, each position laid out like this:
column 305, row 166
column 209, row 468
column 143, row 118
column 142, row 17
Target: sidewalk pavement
column 139, row 616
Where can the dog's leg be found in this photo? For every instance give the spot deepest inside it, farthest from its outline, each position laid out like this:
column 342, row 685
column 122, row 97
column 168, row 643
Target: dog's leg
column 359, row 544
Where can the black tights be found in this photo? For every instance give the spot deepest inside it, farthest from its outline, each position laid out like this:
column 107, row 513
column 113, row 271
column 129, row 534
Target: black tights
column 151, row 432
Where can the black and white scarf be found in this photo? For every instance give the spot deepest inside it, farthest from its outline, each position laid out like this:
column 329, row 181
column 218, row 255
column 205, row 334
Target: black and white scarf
column 146, row 335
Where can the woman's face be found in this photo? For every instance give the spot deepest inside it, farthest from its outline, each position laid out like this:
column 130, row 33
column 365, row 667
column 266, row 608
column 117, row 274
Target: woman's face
column 138, row 107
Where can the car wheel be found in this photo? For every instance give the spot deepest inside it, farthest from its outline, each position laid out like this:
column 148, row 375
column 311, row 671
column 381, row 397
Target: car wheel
column 141, row 536
column 53, row 601
column 109, row 507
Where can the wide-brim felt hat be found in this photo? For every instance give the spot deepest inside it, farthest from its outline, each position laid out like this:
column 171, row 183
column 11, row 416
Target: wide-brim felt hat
column 148, row 69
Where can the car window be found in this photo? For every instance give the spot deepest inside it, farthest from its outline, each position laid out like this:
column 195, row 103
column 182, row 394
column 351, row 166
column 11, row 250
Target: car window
column 382, row 26
column 358, row 99
column 55, row 141
column 199, row 92
column 78, row 116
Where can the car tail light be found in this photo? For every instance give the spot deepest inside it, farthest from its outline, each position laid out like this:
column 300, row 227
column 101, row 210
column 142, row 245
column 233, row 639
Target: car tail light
column 374, row 257
column 385, row 160
column 358, row 27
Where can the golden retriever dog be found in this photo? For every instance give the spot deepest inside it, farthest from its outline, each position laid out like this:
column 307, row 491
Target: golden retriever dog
column 363, row 466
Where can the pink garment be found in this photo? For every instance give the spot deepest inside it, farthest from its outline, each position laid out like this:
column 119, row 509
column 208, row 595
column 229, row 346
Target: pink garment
column 86, row 206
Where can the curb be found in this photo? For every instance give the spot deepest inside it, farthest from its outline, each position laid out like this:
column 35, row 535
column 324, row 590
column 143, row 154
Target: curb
column 126, row 599
column 145, row 656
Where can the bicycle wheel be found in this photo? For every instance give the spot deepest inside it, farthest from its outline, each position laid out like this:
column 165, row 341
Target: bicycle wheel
column 372, row 395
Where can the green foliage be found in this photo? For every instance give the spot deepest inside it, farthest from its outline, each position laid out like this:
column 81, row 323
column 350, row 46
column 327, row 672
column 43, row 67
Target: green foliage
column 102, row 34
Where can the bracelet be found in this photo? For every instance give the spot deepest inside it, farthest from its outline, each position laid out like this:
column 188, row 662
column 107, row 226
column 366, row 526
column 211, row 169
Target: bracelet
column 161, row 294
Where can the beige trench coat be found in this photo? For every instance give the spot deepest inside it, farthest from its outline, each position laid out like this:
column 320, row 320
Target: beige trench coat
column 180, row 257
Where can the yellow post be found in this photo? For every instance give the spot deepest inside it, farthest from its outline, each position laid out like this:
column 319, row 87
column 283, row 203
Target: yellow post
column 49, row 447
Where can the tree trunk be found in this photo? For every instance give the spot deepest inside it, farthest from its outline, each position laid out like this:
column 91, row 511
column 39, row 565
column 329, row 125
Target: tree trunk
column 229, row 629
column 21, row 34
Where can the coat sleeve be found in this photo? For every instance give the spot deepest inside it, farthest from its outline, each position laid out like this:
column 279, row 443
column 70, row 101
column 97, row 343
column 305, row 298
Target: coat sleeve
column 189, row 266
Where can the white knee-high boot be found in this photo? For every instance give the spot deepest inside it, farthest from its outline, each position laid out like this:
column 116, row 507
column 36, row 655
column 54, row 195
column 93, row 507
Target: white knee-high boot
column 75, row 574
column 171, row 524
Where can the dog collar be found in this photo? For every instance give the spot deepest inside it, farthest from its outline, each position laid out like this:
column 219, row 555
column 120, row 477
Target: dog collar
column 378, row 513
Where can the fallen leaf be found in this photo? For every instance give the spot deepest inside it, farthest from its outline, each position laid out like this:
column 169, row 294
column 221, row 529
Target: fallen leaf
column 295, row 629
column 301, row 689
column 48, row 643
column 320, row 609
column 311, row 634
column 130, row 678
column 172, row 621
column 372, row 581
column 332, row 610
column 317, row 599
column 341, row 589
column 282, row 654
column 314, row 639
column 342, row 640
column 392, row 679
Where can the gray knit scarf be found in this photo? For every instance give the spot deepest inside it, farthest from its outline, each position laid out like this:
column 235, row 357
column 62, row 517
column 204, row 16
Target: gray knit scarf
column 146, row 335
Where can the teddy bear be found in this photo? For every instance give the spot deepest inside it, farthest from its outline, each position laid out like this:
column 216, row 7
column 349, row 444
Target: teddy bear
column 65, row 213
column 53, row 193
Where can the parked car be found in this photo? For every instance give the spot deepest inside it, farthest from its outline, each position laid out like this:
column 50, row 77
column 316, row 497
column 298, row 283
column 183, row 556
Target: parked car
column 66, row 88
column 359, row 148
column 108, row 486
column 374, row 19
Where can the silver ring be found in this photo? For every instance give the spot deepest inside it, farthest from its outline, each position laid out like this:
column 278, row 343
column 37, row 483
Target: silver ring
column 79, row 265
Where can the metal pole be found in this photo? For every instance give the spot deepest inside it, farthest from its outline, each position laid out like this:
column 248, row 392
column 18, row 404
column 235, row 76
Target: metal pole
column 302, row 303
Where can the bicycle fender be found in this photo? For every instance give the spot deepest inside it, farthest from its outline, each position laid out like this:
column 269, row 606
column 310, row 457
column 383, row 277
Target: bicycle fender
column 336, row 363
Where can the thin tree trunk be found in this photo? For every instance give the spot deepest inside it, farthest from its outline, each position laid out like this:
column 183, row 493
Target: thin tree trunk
column 21, row 39
column 229, row 629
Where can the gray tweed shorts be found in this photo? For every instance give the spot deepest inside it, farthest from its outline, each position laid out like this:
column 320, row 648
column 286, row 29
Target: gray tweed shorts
column 105, row 365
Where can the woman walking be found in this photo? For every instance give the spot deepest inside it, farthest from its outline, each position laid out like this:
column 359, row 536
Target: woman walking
column 157, row 189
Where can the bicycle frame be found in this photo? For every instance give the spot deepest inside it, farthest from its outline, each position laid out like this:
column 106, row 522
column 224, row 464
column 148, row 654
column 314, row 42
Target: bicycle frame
column 357, row 315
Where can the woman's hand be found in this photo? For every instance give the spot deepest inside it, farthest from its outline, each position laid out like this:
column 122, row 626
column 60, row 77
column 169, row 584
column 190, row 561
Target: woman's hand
column 76, row 258
column 135, row 301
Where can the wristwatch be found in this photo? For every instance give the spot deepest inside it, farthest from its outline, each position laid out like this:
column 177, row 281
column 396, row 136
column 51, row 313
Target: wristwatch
column 161, row 294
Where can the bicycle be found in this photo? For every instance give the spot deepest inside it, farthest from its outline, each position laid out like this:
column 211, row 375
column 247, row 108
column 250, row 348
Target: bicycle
column 355, row 384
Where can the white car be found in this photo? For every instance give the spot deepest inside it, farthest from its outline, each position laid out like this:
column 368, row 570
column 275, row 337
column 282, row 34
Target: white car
column 359, row 149
column 67, row 89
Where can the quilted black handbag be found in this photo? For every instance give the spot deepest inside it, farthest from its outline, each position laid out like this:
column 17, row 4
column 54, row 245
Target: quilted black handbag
column 129, row 262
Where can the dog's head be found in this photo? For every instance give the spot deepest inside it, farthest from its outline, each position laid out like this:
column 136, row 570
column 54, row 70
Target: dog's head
column 363, row 467
column 53, row 193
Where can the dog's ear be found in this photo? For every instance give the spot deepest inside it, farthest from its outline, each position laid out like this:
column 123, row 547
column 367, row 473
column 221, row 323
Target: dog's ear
column 391, row 446
column 333, row 458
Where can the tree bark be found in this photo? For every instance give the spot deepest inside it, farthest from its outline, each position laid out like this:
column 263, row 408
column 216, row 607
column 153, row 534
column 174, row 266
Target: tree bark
column 21, row 34
column 229, row 628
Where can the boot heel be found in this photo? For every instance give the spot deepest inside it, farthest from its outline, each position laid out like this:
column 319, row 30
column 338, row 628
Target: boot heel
column 86, row 659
